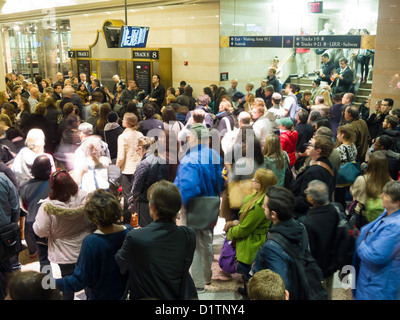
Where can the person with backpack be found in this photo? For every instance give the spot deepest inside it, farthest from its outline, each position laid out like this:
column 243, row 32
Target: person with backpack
column 320, row 223
column 286, row 249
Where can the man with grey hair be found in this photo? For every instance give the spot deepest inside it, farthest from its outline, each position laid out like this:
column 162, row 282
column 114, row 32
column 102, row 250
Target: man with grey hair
column 320, row 223
column 80, row 159
column 199, row 174
column 117, row 82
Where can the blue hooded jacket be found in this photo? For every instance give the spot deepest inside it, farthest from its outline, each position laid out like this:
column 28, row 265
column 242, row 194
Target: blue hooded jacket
column 198, row 173
column 377, row 259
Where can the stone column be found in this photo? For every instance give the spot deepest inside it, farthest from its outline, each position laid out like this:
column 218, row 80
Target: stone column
column 386, row 74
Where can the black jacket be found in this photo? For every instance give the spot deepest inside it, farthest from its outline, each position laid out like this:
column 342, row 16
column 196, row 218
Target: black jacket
column 314, row 172
column 154, row 257
column 321, row 225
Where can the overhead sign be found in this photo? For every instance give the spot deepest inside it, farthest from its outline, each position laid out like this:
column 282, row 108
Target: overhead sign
column 78, row 54
column 301, row 41
column 256, row 41
column 322, row 41
column 151, row 54
column 82, row 54
column 134, row 37
column 315, row 7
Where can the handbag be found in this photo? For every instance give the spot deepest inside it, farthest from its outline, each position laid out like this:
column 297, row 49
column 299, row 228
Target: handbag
column 227, row 260
column 358, row 218
column 237, row 191
column 289, row 180
column 10, row 241
column 348, row 172
column 203, row 211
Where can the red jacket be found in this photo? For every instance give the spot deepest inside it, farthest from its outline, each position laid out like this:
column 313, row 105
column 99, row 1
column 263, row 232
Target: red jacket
column 288, row 142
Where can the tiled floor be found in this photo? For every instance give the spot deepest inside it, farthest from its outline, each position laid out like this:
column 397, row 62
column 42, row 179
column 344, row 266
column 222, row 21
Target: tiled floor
column 223, row 286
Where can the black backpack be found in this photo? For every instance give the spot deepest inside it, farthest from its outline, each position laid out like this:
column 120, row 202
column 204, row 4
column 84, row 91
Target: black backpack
column 345, row 240
column 306, row 275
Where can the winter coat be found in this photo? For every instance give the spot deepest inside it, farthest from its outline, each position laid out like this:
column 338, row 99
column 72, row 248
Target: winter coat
column 312, row 172
column 321, row 222
column 251, row 232
column 66, row 225
column 197, row 174
column 127, row 157
column 289, row 142
column 377, row 259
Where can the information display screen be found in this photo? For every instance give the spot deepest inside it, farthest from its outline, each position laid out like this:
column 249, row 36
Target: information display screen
column 133, row 37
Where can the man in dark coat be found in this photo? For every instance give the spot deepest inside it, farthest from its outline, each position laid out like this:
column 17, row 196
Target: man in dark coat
column 344, row 79
column 320, row 223
column 327, row 69
column 155, row 255
column 319, row 168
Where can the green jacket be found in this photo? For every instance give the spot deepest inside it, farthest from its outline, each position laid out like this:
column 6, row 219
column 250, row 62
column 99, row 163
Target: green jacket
column 251, row 233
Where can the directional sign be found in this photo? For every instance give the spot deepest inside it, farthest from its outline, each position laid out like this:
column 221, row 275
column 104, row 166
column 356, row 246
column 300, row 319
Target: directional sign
column 256, row 41
column 301, row 41
column 322, row 41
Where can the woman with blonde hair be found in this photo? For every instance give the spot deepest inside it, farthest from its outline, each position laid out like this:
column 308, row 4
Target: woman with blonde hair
column 249, row 100
column 128, row 157
column 275, row 158
column 250, row 231
column 4, row 97
column 368, row 187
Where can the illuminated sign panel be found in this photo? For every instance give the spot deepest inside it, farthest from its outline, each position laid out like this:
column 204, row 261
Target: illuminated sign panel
column 134, row 37
column 315, row 7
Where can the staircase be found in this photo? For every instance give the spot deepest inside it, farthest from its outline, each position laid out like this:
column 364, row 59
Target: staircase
column 362, row 94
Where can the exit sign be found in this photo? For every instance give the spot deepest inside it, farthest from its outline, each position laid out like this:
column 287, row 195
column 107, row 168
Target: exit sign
column 315, row 7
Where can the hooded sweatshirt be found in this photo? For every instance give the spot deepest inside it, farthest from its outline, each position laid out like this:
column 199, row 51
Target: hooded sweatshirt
column 66, row 225
column 289, row 142
column 272, row 256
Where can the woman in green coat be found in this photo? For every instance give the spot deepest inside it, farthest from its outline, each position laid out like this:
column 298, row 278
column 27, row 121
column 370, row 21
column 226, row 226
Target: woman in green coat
column 250, row 231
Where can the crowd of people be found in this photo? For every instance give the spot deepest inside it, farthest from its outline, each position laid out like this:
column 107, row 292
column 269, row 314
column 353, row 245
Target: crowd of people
column 79, row 160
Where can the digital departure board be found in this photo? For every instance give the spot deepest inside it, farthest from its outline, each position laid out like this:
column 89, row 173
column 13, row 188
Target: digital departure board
column 134, row 37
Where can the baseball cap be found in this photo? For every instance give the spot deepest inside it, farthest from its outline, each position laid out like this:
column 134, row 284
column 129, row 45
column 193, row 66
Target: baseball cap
column 286, row 122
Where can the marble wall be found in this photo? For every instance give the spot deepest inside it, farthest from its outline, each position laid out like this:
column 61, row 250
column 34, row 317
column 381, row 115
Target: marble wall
column 386, row 81
column 192, row 31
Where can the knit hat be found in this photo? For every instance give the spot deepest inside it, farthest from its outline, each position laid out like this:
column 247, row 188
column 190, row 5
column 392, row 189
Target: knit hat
column 112, row 116
column 286, row 122
column 276, row 96
column 203, row 100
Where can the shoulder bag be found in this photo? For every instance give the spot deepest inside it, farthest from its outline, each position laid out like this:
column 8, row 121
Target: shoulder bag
column 10, row 241
column 348, row 172
column 289, row 180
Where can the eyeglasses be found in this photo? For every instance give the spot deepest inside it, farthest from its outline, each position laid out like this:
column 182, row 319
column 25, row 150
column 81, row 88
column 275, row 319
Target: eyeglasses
column 56, row 173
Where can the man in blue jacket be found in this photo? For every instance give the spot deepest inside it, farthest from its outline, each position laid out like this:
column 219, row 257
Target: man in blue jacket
column 200, row 174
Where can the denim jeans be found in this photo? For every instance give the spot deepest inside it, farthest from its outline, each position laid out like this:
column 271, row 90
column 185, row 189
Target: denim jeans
column 67, row 270
column 244, row 269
